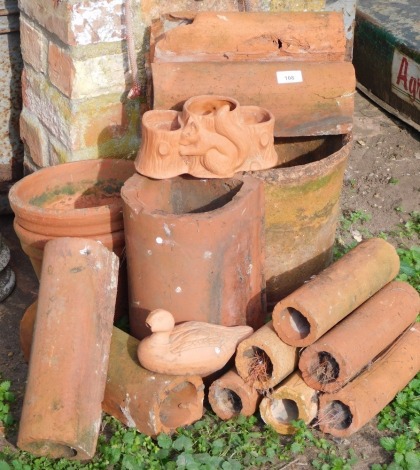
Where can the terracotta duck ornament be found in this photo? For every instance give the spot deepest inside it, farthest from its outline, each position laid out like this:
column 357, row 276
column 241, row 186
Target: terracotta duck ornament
column 190, row 348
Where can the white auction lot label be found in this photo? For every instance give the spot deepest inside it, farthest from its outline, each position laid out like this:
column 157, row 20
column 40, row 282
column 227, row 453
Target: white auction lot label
column 289, row 76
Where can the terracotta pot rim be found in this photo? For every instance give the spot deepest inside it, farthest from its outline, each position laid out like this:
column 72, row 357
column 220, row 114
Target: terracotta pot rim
column 28, row 237
column 295, row 174
column 25, row 211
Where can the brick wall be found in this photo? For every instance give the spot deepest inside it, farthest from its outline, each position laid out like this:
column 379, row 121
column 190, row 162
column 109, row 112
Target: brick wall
column 76, row 75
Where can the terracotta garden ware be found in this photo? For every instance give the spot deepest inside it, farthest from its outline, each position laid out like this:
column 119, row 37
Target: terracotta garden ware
column 291, row 64
column 302, row 208
column 80, row 199
column 152, row 403
column 291, row 400
column 313, row 309
column 251, row 36
column 345, row 412
column 263, row 360
column 213, row 137
column 333, row 360
column 230, row 396
column 73, row 199
column 61, row 412
column 190, row 348
column 26, row 330
column 195, row 248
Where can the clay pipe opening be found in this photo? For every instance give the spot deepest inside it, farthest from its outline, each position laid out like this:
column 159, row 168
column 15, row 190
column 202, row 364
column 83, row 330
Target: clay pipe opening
column 229, row 402
column 51, row 449
column 336, row 415
column 260, row 367
column 179, row 406
column 298, row 326
column 284, row 410
column 325, row 369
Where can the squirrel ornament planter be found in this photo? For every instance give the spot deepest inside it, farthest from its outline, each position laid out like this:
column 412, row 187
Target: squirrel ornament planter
column 213, row 137
column 190, row 348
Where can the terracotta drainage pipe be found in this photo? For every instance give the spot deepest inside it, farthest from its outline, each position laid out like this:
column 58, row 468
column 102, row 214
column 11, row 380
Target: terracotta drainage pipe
column 61, row 412
column 152, row 403
column 230, row 396
column 291, row 400
column 334, row 360
column 345, row 412
column 195, row 248
column 309, row 312
column 263, row 360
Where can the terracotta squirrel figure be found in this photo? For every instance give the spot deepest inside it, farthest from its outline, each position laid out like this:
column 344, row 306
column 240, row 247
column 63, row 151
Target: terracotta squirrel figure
column 221, row 152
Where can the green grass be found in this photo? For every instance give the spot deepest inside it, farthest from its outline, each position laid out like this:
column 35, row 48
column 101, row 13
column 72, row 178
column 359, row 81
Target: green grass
column 244, row 443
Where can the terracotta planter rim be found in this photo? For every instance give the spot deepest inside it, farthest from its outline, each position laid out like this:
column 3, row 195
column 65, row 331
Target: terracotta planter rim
column 247, row 181
column 293, row 174
column 203, row 98
column 25, row 211
column 36, row 241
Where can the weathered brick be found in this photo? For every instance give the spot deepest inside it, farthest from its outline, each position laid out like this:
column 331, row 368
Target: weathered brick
column 49, row 106
column 78, row 22
column 87, row 78
column 33, row 45
column 35, row 138
column 61, row 70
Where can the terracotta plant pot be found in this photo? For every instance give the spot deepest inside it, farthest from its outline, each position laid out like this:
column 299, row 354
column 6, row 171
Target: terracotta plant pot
column 230, row 396
column 302, row 206
column 195, row 248
column 61, row 412
column 306, row 314
column 291, row 400
column 211, row 138
column 345, row 412
column 263, row 360
column 332, row 361
column 73, row 199
column 152, row 403
column 80, row 199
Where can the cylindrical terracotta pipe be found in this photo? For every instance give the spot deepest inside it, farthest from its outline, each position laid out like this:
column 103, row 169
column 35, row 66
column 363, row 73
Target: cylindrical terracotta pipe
column 309, row 312
column 230, row 396
column 291, row 400
column 61, row 412
column 345, row 412
column 195, row 248
column 333, row 360
column 152, row 403
column 263, row 360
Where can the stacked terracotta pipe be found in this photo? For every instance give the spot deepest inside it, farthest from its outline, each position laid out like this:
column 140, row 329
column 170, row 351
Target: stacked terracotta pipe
column 358, row 329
